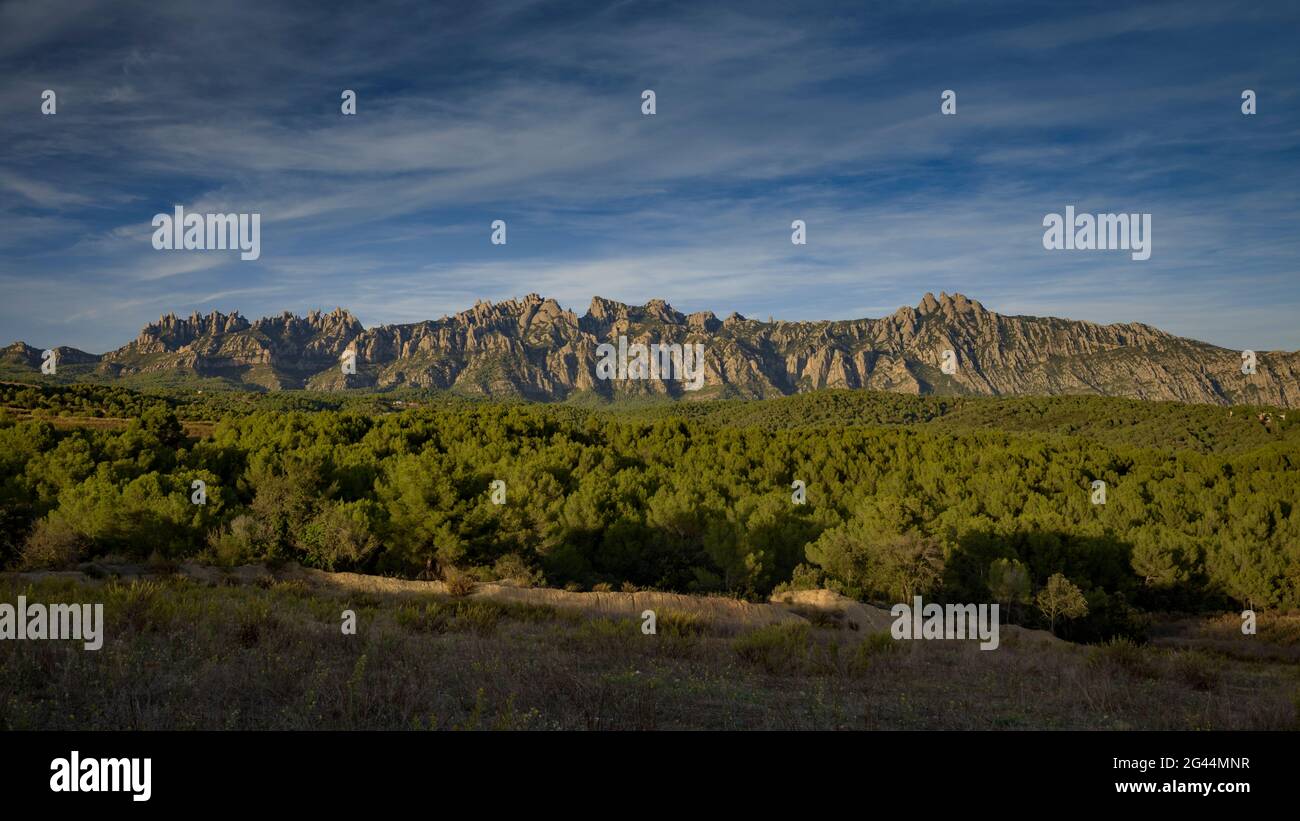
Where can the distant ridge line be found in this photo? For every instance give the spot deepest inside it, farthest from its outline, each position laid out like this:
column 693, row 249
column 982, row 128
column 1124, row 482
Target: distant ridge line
column 532, row 348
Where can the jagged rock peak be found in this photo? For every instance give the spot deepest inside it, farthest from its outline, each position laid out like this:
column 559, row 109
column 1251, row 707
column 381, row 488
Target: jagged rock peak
column 338, row 315
column 534, row 305
column 662, row 311
column 704, row 320
column 959, row 304
column 545, row 352
column 314, row 318
column 602, row 308
column 549, row 309
column 947, row 304
column 197, row 323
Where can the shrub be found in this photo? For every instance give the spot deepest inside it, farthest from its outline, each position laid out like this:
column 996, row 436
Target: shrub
column 804, row 577
column 291, row 587
column 512, row 569
column 821, row 617
column 432, row 617
column 872, row 647
column 136, row 603
column 678, row 623
column 1197, row 670
column 1123, row 655
column 458, row 583
column 255, row 623
column 776, row 648
column 609, row 634
column 479, row 616
column 158, row 563
column 338, row 536
column 481, row 573
column 52, row 545
column 233, row 544
column 881, row 642
column 534, row 613
column 677, row 633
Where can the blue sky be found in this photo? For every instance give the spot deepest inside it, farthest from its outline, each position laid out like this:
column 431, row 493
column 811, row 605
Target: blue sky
column 766, row 113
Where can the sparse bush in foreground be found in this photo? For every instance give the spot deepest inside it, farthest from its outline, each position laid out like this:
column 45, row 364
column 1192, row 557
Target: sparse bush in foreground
column 776, row 648
column 512, row 569
column 1124, row 656
column 1197, row 670
column 458, row 582
column 872, row 647
column 482, row 617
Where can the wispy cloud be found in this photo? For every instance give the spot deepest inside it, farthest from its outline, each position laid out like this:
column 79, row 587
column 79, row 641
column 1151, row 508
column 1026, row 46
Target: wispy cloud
column 530, row 112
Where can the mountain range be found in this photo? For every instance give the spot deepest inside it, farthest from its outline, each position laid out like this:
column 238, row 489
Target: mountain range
column 535, row 349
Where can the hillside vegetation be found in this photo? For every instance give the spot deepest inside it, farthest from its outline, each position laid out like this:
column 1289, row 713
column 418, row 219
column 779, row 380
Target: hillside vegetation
column 904, row 495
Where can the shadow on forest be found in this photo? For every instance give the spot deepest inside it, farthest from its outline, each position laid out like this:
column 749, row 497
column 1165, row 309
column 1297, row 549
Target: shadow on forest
column 1101, row 566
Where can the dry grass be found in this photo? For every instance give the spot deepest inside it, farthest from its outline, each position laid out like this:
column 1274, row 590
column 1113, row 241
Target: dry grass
column 1277, row 636
column 269, row 653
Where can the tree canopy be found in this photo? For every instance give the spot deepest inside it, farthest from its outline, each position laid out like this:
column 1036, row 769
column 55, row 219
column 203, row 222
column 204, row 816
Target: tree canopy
column 679, row 498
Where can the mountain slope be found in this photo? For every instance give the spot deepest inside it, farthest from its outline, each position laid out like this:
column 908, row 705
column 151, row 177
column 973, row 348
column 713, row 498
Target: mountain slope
column 535, row 349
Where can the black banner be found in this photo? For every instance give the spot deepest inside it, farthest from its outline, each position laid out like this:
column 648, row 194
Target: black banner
column 331, row 770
